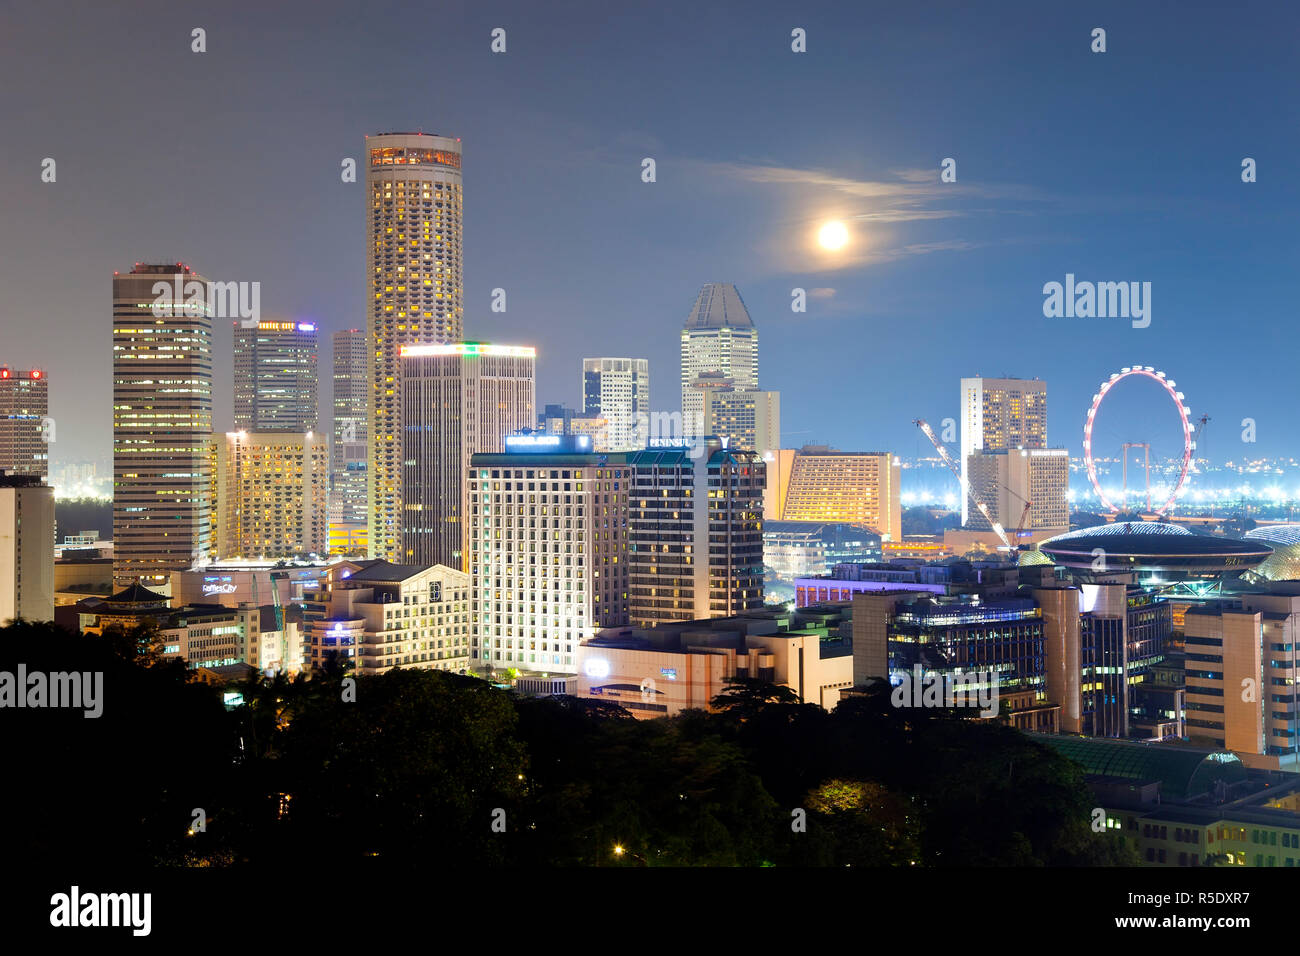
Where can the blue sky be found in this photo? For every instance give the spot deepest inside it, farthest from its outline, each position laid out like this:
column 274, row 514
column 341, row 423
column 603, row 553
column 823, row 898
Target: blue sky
column 1122, row 166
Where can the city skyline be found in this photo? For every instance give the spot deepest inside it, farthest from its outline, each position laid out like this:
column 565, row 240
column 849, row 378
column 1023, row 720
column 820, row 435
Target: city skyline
column 952, row 266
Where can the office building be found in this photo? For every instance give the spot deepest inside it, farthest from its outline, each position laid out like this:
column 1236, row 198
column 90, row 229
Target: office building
column 720, row 338
column 695, row 540
column 273, row 494
column 561, row 420
column 548, row 551
column 377, row 616
column 458, row 400
column 351, row 402
column 24, row 422
column 415, row 291
column 750, row 419
column 618, row 390
column 26, row 548
column 163, row 451
column 819, row 484
column 276, row 371
column 998, row 414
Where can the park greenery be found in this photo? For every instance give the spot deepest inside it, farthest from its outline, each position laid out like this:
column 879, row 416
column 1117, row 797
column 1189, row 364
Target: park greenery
column 428, row 768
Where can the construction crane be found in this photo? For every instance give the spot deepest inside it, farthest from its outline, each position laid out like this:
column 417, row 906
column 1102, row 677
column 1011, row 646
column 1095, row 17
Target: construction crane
column 956, row 473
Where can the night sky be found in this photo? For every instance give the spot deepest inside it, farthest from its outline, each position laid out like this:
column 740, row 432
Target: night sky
column 1122, row 166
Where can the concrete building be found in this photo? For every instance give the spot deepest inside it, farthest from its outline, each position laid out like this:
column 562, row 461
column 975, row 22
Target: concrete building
column 548, row 551
column 663, row 670
column 998, row 414
column 719, row 337
column 695, row 540
column 25, row 425
column 415, row 291
column 1241, row 669
column 458, row 400
column 348, row 456
column 819, row 484
column 749, row 419
column 163, row 451
column 276, row 371
column 26, row 548
column 618, row 390
column 377, row 616
column 273, row 495
column 1024, row 490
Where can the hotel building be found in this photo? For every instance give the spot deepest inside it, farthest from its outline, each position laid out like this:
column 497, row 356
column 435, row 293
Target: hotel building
column 24, row 411
column 695, row 537
column 273, row 492
column 377, row 616
column 548, row 551
column 162, row 428
column 998, row 414
column 415, row 291
column 749, row 419
column 457, row 400
column 819, row 484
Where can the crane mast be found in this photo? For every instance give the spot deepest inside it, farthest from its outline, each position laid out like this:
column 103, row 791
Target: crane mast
column 922, row 424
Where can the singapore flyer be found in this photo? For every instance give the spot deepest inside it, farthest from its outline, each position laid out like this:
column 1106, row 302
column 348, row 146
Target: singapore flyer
column 1184, row 417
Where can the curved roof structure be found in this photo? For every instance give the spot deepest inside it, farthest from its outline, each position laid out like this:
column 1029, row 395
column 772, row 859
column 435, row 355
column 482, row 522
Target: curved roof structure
column 719, row 306
column 1183, row 773
column 1154, row 546
column 1284, row 563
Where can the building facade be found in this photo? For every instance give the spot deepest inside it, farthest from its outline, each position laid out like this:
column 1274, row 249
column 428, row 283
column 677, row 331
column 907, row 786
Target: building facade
column 618, row 390
column 827, row 486
column 25, row 425
column 26, row 548
column 999, row 414
column 351, row 401
column 695, row 535
column 458, row 400
column 548, row 551
column 719, row 337
column 750, row 419
column 163, row 450
column 415, row 291
column 276, row 371
column 273, row 494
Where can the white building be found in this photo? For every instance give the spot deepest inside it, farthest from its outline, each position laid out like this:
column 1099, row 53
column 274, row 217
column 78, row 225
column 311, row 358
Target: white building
column 378, row 616
column 719, row 338
column 26, row 548
column 618, row 390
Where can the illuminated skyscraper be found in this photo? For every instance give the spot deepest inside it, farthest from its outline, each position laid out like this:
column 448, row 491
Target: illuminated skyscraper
column 162, row 428
column 719, row 337
column 414, row 292
column 351, row 426
column 273, row 494
column 458, row 400
column 24, row 422
column 749, row 419
column 819, row 484
column 998, row 414
column 618, row 390
column 275, row 377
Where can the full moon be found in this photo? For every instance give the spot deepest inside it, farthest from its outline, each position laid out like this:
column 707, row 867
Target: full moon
column 833, row 235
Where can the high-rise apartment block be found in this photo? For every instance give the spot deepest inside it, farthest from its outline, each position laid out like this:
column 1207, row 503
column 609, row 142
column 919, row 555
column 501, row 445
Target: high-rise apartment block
column 162, row 427
column 276, row 371
column 415, row 294
column 273, row 495
column 26, row 548
column 695, row 539
column 548, row 551
column 25, row 427
column 618, row 390
column 719, row 338
column 457, row 400
column 819, row 484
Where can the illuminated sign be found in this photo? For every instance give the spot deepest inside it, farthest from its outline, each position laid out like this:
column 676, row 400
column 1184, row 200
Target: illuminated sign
column 472, row 349
column 219, row 589
column 596, row 667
